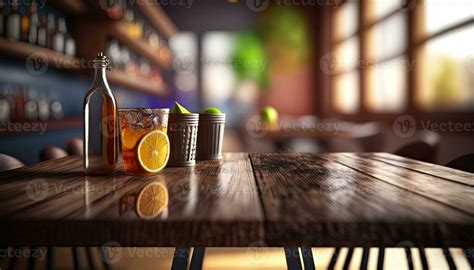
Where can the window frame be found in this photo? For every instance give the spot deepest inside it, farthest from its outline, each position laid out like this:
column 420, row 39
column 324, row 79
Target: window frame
column 416, row 40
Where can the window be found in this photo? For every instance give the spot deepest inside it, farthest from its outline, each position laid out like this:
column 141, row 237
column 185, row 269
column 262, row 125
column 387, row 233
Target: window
column 184, row 48
column 346, row 92
column 385, row 50
column 446, row 55
column 406, row 52
column 219, row 80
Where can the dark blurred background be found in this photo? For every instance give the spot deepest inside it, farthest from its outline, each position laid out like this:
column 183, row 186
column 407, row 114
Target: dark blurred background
column 374, row 75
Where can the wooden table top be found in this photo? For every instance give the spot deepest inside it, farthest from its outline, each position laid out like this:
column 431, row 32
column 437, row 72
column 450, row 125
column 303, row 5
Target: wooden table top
column 340, row 199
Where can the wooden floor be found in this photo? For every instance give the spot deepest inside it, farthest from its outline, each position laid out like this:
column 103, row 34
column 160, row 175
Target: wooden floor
column 248, row 259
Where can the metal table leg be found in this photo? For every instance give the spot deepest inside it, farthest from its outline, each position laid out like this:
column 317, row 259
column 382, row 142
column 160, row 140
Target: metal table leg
column 197, row 258
column 293, row 260
column 180, row 259
column 308, row 261
column 334, row 257
column 76, row 256
column 424, row 261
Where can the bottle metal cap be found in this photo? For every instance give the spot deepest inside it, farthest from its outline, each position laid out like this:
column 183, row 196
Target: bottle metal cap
column 101, row 60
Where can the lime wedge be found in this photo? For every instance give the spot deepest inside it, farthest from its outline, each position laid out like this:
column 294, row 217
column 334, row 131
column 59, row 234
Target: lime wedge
column 212, row 110
column 269, row 115
column 177, row 108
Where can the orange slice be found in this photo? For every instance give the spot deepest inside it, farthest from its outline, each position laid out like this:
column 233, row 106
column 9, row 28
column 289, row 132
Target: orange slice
column 130, row 137
column 152, row 200
column 153, row 151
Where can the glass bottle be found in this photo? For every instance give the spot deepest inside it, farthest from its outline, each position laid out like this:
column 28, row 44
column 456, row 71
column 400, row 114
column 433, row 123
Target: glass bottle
column 42, row 33
column 25, row 24
column 51, row 30
column 59, row 37
column 34, row 24
column 31, row 106
column 4, row 107
column 69, row 43
column 100, row 123
column 43, row 108
column 13, row 23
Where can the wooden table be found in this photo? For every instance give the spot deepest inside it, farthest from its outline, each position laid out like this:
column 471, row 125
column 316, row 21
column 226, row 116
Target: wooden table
column 285, row 200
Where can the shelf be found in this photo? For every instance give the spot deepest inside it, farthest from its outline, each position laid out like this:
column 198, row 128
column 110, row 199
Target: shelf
column 150, row 9
column 157, row 17
column 118, row 30
column 35, row 126
column 40, row 56
column 70, row 6
column 144, row 84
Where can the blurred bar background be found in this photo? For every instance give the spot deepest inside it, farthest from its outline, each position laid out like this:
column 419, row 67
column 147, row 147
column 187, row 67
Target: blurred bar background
column 369, row 75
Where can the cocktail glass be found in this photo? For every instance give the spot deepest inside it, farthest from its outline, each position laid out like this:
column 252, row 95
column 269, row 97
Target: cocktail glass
column 134, row 124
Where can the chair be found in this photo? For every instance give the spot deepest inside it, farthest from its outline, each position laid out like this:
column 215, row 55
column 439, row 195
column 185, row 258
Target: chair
column 370, row 136
column 52, row 152
column 9, row 163
column 424, row 149
column 75, row 146
column 463, row 163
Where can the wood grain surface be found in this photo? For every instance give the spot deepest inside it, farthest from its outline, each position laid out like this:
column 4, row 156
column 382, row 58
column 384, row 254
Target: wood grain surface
column 274, row 199
column 52, row 203
column 347, row 200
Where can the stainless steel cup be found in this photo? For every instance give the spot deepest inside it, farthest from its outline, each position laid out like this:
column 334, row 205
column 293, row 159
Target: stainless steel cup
column 182, row 133
column 210, row 136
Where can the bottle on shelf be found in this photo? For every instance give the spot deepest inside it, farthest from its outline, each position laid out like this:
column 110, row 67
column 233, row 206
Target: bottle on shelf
column 42, row 39
column 69, row 45
column 25, row 24
column 113, row 51
column 4, row 106
column 134, row 29
column 56, row 110
column 20, row 101
column 13, row 23
column 10, row 97
column 115, row 9
column 34, row 24
column 132, row 66
column 124, row 57
column 43, row 108
column 31, row 106
column 50, row 29
column 145, row 67
column 100, row 123
column 59, row 38
column 153, row 39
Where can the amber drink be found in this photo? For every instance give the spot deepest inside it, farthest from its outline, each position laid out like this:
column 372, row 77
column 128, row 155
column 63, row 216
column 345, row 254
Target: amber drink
column 100, row 123
column 134, row 125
